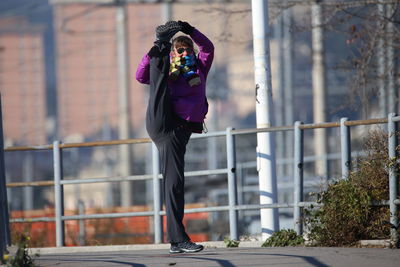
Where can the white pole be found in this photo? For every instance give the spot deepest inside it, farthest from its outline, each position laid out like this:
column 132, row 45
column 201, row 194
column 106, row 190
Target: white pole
column 265, row 141
column 319, row 89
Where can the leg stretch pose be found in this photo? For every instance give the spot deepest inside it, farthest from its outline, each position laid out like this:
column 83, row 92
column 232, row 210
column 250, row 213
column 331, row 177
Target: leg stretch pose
column 171, row 116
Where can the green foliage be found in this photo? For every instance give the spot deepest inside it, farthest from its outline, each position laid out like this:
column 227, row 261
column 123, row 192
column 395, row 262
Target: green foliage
column 343, row 218
column 21, row 257
column 230, row 243
column 347, row 215
column 284, row 238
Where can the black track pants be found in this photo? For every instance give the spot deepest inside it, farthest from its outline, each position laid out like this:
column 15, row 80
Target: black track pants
column 170, row 139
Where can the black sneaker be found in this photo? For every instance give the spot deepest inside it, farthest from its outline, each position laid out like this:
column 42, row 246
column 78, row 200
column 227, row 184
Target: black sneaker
column 166, row 31
column 187, row 246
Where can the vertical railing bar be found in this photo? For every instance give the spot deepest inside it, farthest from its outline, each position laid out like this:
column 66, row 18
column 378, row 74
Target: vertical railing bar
column 5, row 237
column 232, row 187
column 58, row 193
column 393, row 180
column 156, row 196
column 298, row 176
column 82, row 229
column 345, row 148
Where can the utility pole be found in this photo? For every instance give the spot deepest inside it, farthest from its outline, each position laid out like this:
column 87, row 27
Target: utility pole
column 279, row 96
column 381, row 54
column 319, row 89
column 123, row 100
column 288, row 83
column 391, row 88
column 166, row 12
column 264, row 112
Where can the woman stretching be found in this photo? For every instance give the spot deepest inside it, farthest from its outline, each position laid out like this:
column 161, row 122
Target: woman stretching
column 177, row 107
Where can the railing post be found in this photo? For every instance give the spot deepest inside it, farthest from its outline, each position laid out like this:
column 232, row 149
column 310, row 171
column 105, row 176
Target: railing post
column 158, row 226
column 393, row 180
column 5, row 238
column 82, row 229
column 298, row 176
column 345, row 148
column 232, row 186
column 58, row 193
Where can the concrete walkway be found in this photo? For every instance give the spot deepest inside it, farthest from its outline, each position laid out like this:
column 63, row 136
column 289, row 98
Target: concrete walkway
column 249, row 254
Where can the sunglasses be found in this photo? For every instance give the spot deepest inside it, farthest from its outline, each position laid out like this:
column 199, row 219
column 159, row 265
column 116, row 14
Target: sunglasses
column 180, row 50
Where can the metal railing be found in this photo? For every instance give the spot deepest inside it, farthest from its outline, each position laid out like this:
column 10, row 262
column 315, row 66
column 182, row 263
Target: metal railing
column 230, row 170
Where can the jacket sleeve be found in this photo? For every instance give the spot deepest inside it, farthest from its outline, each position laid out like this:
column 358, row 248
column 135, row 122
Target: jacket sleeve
column 206, row 47
column 143, row 70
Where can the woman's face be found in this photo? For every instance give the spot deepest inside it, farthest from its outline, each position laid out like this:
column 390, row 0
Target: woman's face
column 182, row 50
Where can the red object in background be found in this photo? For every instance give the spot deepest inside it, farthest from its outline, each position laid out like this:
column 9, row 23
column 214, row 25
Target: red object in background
column 109, row 231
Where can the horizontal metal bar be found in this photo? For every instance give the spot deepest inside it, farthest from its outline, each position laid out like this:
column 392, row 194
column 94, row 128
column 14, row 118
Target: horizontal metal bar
column 28, row 148
column 113, row 2
column 207, row 209
column 27, row 184
column 210, row 134
column 206, row 172
column 29, row 220
column 319, row 125
column 265, row 129
column 273, row 3
column 366, row 122
column 108, row 143
column 194, row 210
column 139, row 177
column 86, row 144
column 374, row 203
column 347, row 123
column 264, row 206
column 114, row 179
column 109, row 179
column 309, row 204
column 107, row 215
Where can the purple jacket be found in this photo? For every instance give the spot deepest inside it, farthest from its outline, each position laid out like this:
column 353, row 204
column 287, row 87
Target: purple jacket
column 189, row 103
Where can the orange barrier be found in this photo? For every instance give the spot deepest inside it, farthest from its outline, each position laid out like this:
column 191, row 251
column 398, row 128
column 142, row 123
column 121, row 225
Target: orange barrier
column 107, row 231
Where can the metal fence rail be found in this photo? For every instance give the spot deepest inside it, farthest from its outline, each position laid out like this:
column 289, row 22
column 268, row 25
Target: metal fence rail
column 230, row 170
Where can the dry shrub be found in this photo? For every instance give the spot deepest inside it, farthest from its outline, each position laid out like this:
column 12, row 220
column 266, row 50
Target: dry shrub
column 347, row 214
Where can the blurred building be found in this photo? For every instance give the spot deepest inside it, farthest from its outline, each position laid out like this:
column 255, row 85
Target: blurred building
column 87, row 68
column 81, row 102
column 22, row 82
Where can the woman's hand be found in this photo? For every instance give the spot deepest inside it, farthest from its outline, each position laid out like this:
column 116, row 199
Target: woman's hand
column 186, row 27
column 166, row 31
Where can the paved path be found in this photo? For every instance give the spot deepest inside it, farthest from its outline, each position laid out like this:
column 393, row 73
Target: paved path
column 214, row 256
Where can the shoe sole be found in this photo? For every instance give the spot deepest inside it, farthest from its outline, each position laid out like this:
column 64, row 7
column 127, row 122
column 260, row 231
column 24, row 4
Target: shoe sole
column 185, row 251
column 175, row 252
